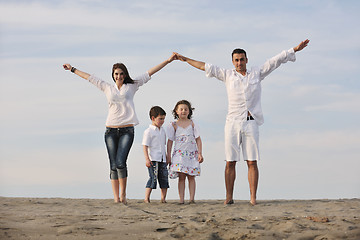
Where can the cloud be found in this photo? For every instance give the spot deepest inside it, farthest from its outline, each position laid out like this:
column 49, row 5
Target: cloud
column 54, row 166
column 344, row 140
column 329, row 97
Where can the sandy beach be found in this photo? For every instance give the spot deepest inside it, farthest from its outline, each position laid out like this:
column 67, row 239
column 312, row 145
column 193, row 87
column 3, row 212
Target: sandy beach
column 58, row 218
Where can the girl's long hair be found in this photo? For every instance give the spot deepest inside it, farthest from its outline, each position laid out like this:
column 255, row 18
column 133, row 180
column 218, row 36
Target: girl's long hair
column 191, row 109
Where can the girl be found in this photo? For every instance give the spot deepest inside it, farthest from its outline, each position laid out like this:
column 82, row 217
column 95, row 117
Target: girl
column 187, row 154
column 121, row 119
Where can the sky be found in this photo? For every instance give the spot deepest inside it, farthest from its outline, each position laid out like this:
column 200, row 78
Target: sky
column 53, row 122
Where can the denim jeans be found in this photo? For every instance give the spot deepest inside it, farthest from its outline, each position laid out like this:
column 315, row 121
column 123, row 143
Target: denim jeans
column 118, row 143
column 158, row 172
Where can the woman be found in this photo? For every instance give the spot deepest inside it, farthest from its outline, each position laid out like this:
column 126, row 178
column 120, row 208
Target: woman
column 121, row 118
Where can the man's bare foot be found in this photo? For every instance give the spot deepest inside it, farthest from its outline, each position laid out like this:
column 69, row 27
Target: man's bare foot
column 253, row 203
column 123, row 201
column 146, row 200
column 192, row 202
column 163, row 201
column 116, row 200
column 228, row 202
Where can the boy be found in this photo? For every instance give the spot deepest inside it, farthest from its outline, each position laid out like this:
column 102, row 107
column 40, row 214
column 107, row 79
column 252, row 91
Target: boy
column 154, row 140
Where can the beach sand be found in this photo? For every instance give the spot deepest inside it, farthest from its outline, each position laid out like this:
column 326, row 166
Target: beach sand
column 59, row 218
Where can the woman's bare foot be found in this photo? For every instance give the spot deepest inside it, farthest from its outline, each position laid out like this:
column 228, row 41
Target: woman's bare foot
column 123, row 199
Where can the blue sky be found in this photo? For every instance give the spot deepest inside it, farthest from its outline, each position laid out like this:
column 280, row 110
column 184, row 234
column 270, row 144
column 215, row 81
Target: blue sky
column 52, row 122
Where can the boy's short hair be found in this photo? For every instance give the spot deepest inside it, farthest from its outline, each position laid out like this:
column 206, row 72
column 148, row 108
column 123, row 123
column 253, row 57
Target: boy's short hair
column 156, row 111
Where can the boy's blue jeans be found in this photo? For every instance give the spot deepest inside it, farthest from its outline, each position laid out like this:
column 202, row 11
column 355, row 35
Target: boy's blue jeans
column 158, row 172
column 118, row 143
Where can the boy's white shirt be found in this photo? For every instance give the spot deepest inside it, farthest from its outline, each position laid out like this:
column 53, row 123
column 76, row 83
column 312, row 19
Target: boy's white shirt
column 155, row 139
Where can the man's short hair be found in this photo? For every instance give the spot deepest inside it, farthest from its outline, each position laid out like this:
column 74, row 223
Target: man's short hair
column 156, row 111
column 239, row 51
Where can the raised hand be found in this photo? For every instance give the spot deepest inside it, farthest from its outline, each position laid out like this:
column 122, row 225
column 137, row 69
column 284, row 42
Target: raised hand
column 302, row 45
column 172, row 57
column 180, row 57
column 67, row 66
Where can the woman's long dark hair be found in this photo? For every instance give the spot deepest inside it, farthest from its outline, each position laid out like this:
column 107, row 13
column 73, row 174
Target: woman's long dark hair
column 127, row 79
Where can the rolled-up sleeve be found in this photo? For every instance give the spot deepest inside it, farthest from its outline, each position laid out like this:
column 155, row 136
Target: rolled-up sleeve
column 274, row 62
column 98, row 82
column 142, row 79
column 214, row 71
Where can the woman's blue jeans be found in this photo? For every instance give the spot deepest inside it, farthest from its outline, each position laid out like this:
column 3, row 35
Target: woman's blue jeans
column 118, row 143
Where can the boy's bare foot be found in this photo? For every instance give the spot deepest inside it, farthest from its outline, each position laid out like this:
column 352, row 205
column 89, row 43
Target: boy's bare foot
column 163, row 201
column 252, row 203
column 146, row 200
column 192, row 202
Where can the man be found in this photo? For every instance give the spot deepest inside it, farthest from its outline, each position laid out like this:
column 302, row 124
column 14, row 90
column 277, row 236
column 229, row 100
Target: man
column 244, row 111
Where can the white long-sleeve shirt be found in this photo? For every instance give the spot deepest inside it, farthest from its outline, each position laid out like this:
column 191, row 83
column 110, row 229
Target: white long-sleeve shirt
column 121, row 102
column 244, row 92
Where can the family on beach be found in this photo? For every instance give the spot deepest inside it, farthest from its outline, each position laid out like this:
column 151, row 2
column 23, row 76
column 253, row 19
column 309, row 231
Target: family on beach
column 244, row 117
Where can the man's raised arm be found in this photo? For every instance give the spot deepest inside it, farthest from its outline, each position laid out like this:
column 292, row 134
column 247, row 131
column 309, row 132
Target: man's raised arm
column 197, row 64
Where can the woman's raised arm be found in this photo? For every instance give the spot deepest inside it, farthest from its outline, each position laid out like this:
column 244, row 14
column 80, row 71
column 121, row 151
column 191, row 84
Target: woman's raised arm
column 157, row 68
column 76, row 71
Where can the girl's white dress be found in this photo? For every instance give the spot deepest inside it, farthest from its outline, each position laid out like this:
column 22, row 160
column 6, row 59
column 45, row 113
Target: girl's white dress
column 185, row 154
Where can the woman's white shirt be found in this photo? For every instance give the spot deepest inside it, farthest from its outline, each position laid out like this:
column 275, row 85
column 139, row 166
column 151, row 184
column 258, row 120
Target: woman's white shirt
column 121, row 101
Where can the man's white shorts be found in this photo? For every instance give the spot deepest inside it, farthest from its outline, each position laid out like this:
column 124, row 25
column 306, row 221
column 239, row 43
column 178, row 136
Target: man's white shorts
column 244, row 135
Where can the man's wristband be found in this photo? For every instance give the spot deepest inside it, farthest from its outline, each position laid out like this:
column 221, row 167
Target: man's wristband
column 73, row 69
